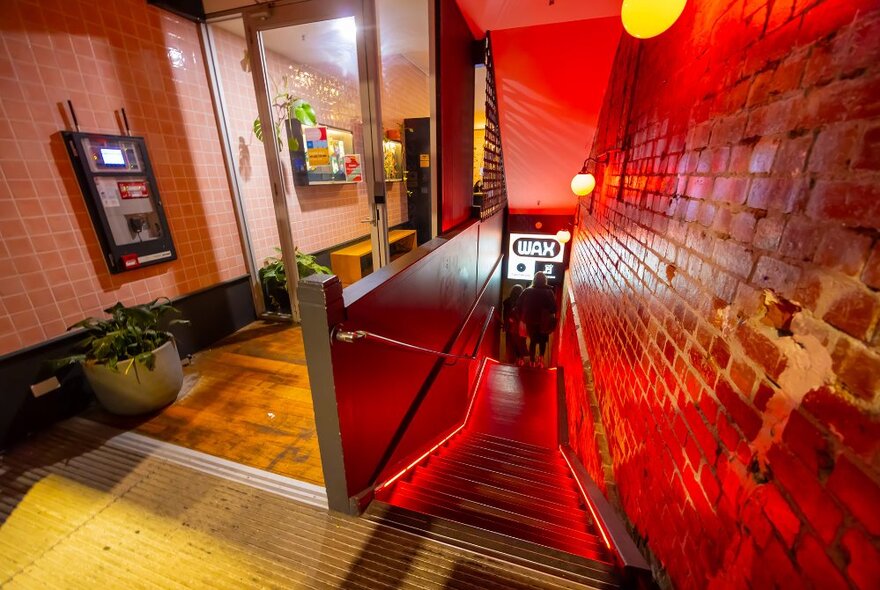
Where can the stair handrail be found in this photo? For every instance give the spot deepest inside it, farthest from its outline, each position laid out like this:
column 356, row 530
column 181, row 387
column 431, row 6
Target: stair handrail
column 351, row 336
column 356, row 335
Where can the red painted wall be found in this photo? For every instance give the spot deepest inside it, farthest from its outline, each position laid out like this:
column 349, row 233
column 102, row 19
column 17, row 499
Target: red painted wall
column 551, row 80
column 455, row 119
column 425, row 304
column 726, row 273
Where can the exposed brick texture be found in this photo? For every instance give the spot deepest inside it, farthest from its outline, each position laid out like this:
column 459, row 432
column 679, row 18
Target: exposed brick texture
column 726, row 274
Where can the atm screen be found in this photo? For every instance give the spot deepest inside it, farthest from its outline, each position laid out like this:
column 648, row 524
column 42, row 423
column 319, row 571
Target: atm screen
column 112, row 157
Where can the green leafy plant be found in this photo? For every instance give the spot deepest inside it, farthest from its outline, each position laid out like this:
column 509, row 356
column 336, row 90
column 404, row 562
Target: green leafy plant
column 130, row 333
column 286, row 106
column 274, row 277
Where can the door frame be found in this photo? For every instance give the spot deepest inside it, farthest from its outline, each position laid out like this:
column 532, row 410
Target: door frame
column 267, row 17
column 209, row 55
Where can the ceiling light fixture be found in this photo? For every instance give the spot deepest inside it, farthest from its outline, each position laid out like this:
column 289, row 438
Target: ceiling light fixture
column 347, row 28
column 584, row 182
column 644, row 19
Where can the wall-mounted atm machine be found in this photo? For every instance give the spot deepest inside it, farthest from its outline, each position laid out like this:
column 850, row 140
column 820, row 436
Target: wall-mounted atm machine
column 117, row 181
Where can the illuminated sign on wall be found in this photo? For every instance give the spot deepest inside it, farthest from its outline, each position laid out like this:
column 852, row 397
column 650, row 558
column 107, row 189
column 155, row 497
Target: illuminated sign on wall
column 531, row 253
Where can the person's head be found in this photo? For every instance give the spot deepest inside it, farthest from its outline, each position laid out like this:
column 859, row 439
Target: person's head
column 515, row 292
column 540, row 280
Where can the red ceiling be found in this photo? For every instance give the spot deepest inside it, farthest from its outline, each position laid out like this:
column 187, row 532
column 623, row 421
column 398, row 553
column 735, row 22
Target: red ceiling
column 551, row 82
column 495, row 15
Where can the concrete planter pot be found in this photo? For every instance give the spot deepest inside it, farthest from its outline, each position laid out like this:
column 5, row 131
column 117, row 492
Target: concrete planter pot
column 137, row 390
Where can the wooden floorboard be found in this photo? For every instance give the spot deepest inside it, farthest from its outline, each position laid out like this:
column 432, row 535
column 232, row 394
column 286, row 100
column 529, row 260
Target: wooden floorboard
column 77, row 513
column 247, row 400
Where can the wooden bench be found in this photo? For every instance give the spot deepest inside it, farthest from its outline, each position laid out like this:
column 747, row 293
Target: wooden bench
column 354, row 262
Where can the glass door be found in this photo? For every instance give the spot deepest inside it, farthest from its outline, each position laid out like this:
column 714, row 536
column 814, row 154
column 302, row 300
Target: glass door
column 315, row 68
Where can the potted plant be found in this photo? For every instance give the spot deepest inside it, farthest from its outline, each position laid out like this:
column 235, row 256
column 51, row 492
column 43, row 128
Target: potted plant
column 273, row 278
column 132, row 366
column 286, row 107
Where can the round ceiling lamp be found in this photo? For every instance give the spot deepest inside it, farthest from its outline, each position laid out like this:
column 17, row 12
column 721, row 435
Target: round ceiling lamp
column 644, row 19
column 563, row 236
column 583, row 183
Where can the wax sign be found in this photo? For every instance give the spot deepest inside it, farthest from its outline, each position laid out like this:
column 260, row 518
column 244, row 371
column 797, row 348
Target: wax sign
column 317, row 147
column 353, row 169
column 531, row 253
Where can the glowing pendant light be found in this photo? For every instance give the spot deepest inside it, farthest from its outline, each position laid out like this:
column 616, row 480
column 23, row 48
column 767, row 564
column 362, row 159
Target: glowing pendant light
column 644, row 19
column 583, row 183
column 563, row 236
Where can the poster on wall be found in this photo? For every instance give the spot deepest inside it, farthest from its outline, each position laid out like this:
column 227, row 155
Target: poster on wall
column 353, row 169
column 317, row 146
column 531, row 253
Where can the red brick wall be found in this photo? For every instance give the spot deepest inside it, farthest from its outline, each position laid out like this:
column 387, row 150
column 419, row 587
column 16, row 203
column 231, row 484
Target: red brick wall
column 726, row 273
column 586, row 435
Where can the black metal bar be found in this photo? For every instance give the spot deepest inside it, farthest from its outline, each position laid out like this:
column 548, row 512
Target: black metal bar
column 73, row 114
column 483, row 331
column 125, row 120
column 479, row 296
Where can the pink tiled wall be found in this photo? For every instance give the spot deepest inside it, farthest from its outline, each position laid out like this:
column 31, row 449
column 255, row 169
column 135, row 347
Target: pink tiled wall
column 325, row 215
column 52, row 272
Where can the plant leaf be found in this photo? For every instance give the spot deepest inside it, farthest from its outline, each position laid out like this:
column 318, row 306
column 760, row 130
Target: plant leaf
column 309, row 114
column 57, row 364
column 130, row 333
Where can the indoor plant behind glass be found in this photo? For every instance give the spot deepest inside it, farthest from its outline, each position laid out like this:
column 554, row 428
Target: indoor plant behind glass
column 285, row 107
column 273, row 278
column 132, row 366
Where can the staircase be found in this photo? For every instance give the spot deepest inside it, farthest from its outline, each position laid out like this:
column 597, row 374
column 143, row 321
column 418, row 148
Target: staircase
column 506, row 497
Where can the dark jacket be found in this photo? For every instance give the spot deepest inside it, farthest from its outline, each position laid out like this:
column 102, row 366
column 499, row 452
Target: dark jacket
column 510, row 314
column 536, row 305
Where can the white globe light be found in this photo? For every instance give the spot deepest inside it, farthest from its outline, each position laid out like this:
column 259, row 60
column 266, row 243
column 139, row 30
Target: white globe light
column 563, row 236
column 583, row 184
column 648, row 18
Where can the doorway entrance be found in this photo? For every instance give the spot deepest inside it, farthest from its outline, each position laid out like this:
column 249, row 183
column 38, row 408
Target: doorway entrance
column 248, row 398
column 313, row 98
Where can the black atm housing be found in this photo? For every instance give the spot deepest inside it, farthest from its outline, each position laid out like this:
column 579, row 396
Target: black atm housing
column 117, row 181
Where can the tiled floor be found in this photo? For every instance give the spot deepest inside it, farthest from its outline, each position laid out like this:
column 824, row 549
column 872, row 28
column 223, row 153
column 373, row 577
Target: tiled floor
column 246, row 400
column 77, row 512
